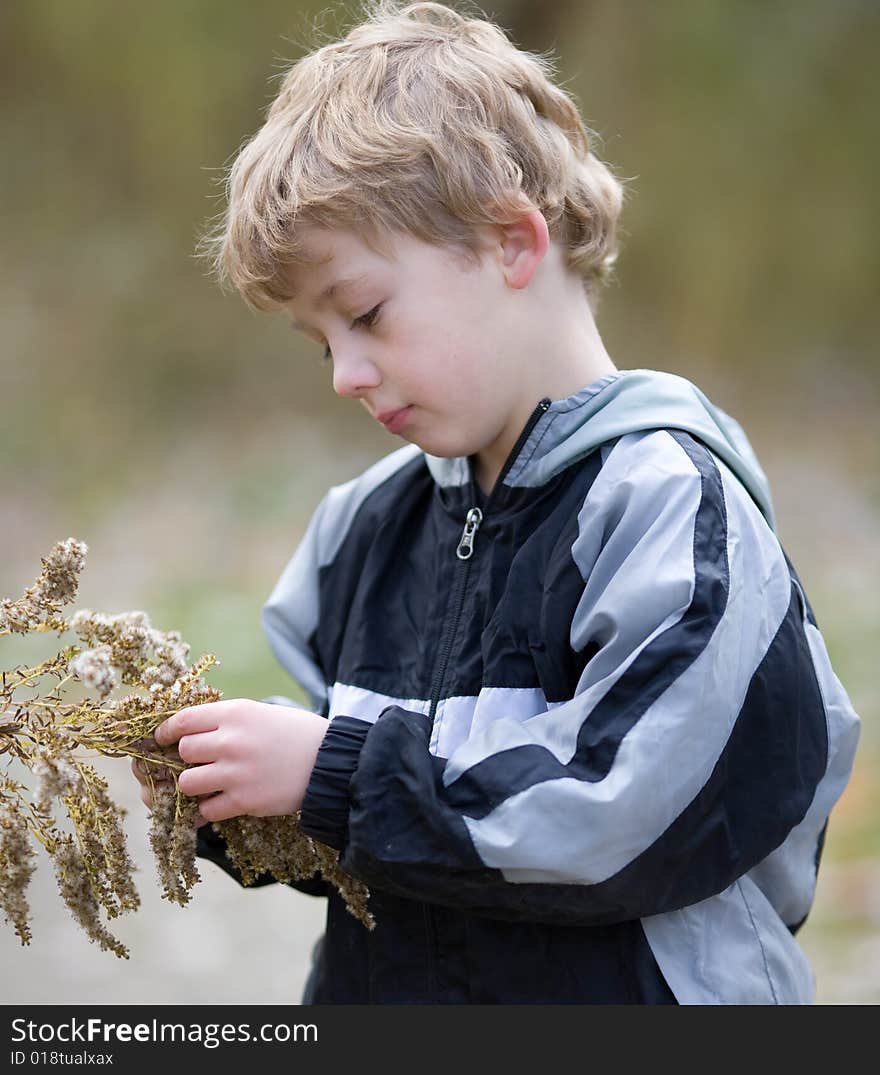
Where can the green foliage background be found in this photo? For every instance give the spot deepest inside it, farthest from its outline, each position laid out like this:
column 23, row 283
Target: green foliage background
column 187, row 439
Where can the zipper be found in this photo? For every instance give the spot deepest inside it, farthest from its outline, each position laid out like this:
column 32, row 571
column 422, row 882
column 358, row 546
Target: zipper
column 464, row 551
column 465, row 548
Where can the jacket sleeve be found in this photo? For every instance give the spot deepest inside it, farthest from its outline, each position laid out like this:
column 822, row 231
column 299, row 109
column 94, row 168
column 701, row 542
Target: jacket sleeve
column 694, row 742
column 211, row 847
column 290, row 615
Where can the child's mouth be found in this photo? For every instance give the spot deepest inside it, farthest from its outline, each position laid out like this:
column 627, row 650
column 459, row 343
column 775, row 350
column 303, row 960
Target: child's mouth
column 396, row 420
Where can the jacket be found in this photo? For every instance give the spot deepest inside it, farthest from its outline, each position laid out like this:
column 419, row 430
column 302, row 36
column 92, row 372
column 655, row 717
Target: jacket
column 585, row 734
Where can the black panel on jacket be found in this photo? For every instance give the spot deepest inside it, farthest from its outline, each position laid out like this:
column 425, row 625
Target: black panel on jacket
column 523, row 588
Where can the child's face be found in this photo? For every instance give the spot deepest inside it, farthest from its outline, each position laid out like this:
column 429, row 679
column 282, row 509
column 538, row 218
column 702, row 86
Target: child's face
column 423, row 339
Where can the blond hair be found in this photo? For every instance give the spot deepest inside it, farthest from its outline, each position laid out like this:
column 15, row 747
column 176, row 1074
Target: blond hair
column 420, row 120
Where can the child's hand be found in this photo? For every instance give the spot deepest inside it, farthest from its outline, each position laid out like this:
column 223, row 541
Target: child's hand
column 248, row 757
column 145, row 770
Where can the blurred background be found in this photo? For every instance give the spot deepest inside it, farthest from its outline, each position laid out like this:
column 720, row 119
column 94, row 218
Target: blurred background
column 187, row 440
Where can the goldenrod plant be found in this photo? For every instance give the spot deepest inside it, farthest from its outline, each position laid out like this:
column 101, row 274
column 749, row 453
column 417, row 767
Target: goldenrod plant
column 105, row 694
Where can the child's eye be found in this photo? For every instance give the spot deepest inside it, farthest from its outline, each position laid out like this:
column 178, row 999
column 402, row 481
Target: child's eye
column 369, row 318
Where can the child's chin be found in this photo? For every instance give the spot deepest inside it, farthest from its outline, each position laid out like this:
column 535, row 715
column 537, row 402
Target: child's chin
column 443, row 449
column 435, row 441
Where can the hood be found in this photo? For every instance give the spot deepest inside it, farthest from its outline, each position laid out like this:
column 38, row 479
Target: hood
column 628, row 401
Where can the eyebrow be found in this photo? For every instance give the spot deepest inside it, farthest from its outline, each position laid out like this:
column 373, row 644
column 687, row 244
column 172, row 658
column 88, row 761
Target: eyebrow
column 329, row 292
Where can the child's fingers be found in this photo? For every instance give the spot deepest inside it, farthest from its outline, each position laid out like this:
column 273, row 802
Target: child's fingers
column 145, row 770
column 216, row 808
column 147, row 745
column 201, row 780
column 199, row 718
column 198, row 749
column 139, row 769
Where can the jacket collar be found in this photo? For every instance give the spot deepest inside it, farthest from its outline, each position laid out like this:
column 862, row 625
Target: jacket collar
column 627, row 401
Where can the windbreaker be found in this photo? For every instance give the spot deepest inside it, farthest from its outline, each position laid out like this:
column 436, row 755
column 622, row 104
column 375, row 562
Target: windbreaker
column 584, row 732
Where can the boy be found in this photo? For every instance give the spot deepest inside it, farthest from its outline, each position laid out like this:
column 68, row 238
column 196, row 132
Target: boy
column 574, row 723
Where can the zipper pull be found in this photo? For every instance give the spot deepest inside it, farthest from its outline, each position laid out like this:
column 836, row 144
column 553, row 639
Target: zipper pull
column 465, row 548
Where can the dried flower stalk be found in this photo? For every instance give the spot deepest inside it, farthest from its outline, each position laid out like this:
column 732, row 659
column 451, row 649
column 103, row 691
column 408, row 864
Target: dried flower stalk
column 48, row 730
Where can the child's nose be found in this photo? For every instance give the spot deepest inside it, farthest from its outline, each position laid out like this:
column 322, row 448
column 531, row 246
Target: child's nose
column 353, row 373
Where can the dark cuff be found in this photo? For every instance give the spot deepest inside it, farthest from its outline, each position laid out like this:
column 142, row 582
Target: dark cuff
column 325, row 807
column 212, row 848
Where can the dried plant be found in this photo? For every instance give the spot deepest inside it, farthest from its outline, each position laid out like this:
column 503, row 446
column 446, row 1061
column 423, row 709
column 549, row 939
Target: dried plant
column 105, row 695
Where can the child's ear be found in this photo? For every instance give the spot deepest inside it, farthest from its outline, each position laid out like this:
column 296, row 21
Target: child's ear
column 523, row 245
